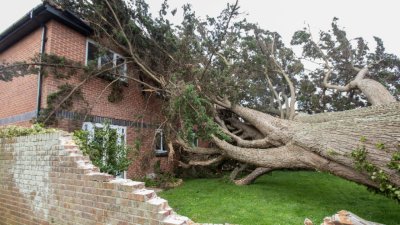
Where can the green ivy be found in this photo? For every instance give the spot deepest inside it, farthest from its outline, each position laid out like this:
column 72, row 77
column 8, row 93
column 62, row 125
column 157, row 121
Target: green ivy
column 117, row 92
column 380, row 146
column 55, row 98
column 359, row 156
column 104, row 150
column 59, row 66
column 16, row 131
column 395, row 161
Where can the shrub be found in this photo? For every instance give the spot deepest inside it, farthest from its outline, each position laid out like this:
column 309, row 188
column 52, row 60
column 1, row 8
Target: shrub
column 16, row 131
column 105, row 148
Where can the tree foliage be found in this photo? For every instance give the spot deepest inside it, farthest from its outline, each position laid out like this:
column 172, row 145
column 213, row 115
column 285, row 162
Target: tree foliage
column 239, row 86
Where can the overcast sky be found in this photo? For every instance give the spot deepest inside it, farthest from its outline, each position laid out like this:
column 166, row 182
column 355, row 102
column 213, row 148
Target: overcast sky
column 365, row 18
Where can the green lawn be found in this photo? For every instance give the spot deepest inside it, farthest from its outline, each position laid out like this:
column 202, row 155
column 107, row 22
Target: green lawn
column 281, row 198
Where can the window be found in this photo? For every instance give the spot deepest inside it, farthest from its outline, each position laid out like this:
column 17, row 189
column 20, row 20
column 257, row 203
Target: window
column 97, row 136
column 160, row 147
column 106, row 59
column 194, row 139
column 91, row 128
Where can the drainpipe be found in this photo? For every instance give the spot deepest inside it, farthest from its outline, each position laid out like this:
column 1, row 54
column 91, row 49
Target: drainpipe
column 40, row 75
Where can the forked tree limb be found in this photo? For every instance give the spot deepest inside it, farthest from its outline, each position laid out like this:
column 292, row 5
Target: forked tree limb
column 291, row 156
column 375, row 92
column 268, row 125
column 247, row 130
column 237, row 170
column 270, row 54
column 258, row 143
column 250, row 178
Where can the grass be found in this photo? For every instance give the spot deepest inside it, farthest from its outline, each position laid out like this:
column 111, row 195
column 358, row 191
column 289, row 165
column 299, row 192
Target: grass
column 284, row 197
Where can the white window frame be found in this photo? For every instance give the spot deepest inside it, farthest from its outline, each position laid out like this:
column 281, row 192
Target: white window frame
column 160, row 151
column 115, row 57
column 121, row 131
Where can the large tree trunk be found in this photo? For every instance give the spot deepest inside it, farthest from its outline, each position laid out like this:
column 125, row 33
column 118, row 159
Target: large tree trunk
column 324, row 141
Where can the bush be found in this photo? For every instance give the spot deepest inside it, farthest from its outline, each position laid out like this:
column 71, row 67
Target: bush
column 104, row 149
column 16, row 131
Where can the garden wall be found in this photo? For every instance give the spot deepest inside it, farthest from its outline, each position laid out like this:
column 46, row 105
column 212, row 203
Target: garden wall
column 44, row 179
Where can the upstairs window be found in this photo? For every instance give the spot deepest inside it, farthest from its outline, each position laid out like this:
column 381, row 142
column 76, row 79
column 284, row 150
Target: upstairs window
column 106, row 59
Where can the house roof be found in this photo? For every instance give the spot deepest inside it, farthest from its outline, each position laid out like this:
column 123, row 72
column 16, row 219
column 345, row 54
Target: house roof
column 37, row 17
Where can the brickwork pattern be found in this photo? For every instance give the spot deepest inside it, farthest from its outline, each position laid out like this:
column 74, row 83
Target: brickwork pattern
column 45, row 179
column 66, row 42
column 19, row 96
column 134, row 106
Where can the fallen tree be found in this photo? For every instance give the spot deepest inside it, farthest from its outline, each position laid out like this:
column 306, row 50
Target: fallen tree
column 237, row 86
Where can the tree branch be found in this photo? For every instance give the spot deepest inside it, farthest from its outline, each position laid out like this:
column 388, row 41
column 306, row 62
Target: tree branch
column 291, row 156
column 207, row 162
column 271, row 86
column 132, row 52
column 282, row 72
column 259, row 143
column 250, row 178
column 336, row 87
column 197, row 150
column 234, row 8
column 237, row 170
column 266, row 124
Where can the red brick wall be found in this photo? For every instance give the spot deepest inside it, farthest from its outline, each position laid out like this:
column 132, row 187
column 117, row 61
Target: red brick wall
column 45, row 179
column 66, row 42
column 19, row 96
column 133, row 107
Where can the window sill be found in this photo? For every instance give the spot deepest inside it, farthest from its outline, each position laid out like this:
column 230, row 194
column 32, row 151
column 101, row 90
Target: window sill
column 109, row 77
column 161, row 153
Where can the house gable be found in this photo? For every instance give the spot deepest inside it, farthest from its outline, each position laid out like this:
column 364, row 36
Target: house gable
column 139, row 114
column 37, row 18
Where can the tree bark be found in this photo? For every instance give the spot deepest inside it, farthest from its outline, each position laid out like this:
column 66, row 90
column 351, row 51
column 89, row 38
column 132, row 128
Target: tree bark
column 375, row 92
column 324, row 141
column 252, row 176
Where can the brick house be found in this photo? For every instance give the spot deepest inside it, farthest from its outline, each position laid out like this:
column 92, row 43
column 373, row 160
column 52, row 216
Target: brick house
column 47, row 29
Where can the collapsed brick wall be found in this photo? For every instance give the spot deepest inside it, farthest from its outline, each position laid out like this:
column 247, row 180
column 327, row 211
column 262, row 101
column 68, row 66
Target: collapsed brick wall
column 45, row 179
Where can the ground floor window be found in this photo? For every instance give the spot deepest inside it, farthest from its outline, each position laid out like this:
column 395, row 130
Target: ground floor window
column 106, row 140
column 160, row 143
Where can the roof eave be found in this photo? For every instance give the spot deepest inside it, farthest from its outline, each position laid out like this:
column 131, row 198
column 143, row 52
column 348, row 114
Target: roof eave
column 38, row 17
